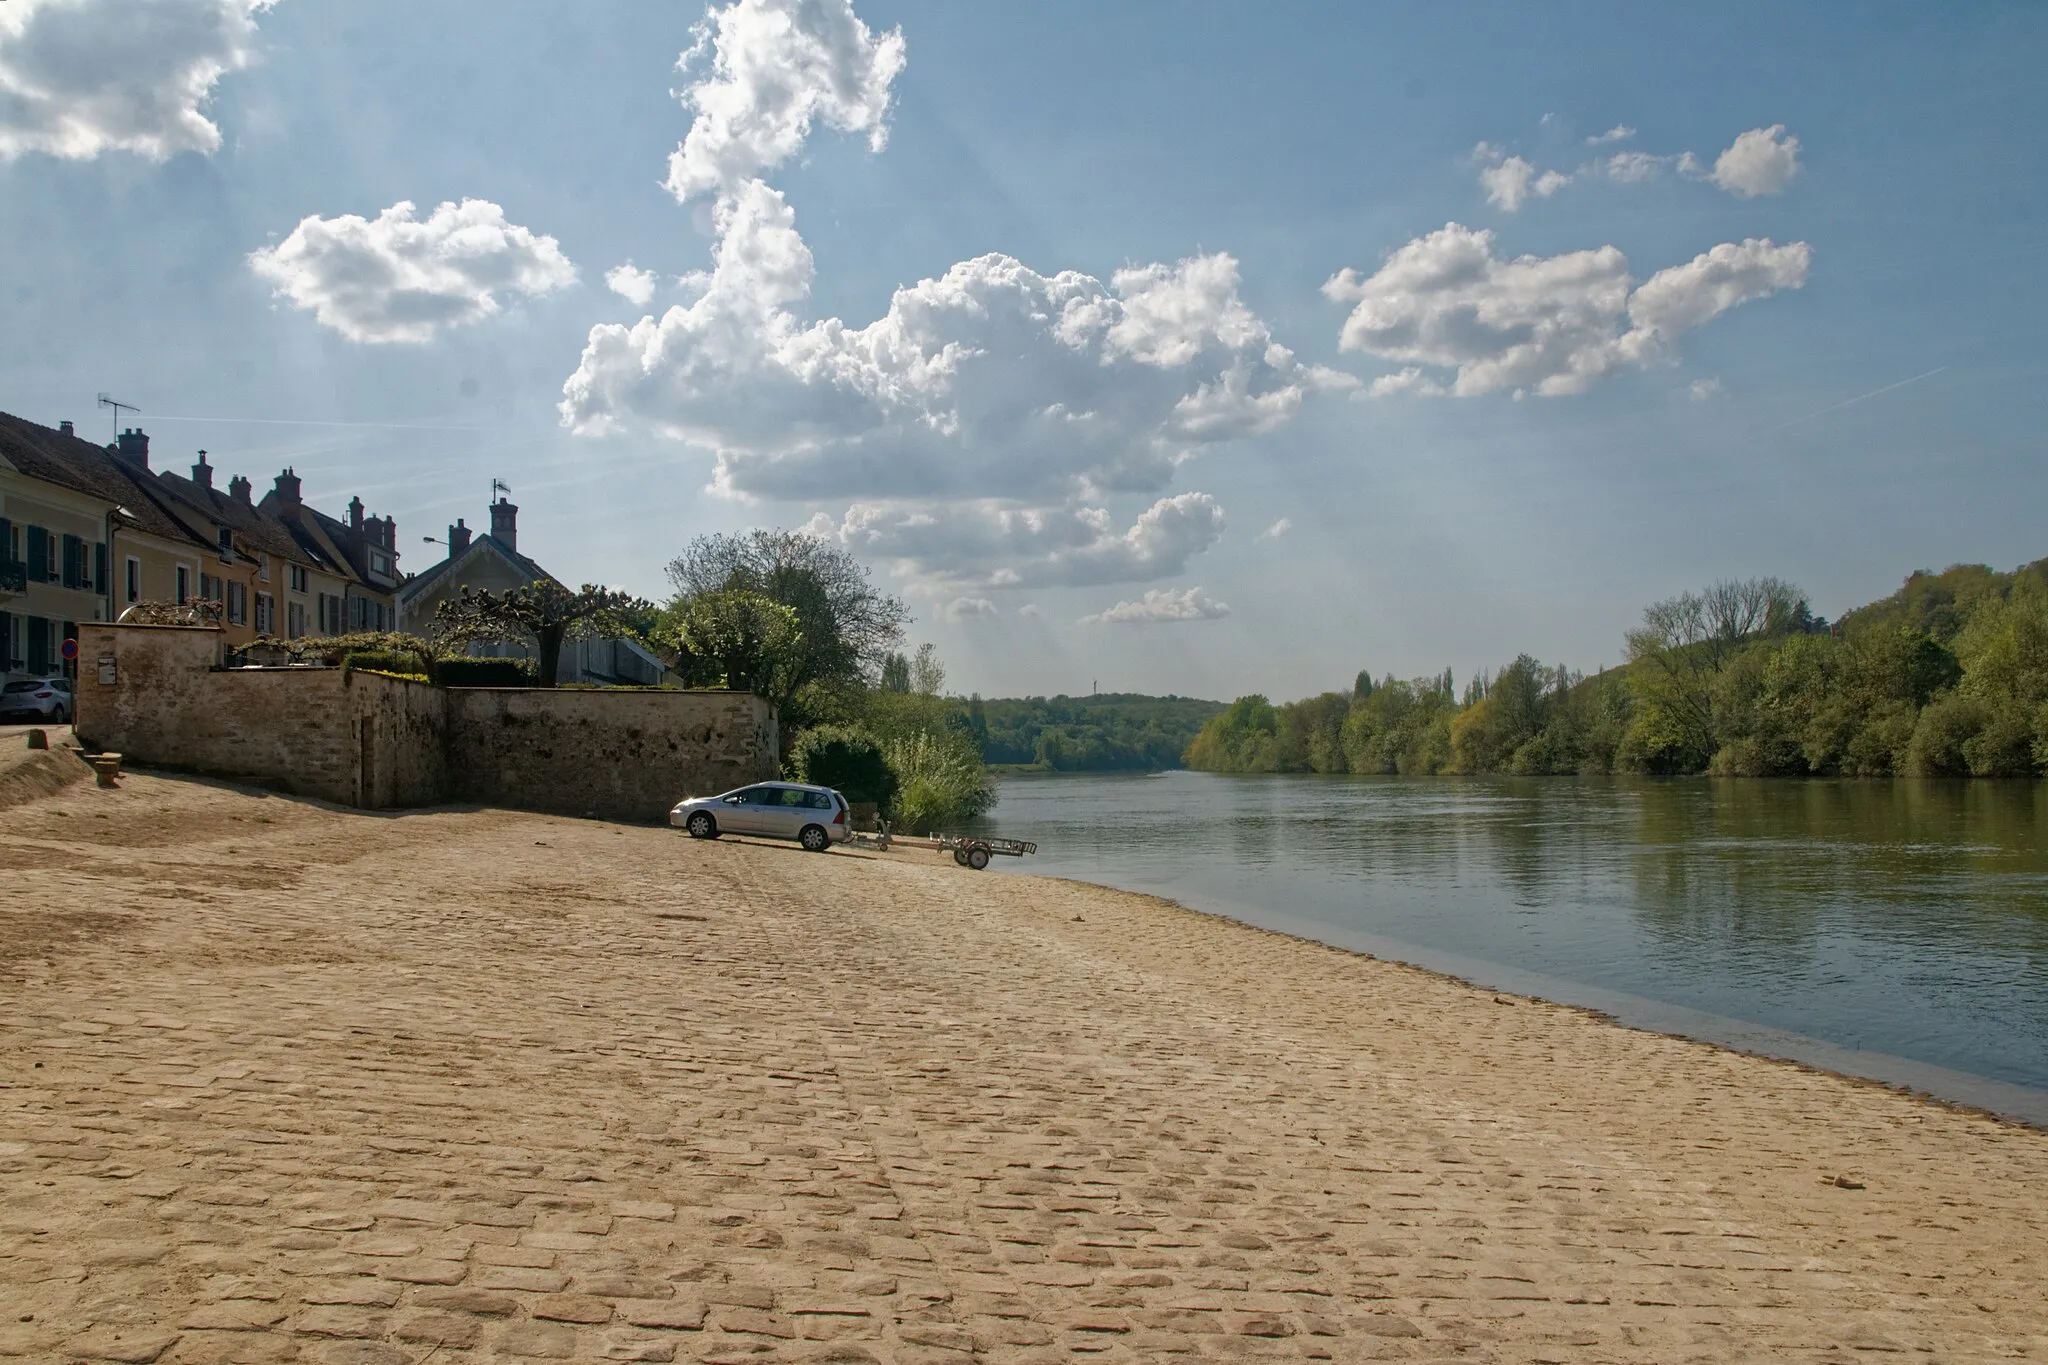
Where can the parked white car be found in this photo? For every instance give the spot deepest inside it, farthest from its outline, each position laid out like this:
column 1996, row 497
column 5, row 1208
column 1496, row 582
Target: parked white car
column 37, row 699
column 815, row 817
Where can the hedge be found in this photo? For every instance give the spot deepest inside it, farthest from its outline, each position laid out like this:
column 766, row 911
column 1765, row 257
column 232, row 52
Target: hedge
column 463, row 671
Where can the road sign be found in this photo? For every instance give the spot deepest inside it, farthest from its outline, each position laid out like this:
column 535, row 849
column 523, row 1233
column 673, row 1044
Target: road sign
column 69, row 649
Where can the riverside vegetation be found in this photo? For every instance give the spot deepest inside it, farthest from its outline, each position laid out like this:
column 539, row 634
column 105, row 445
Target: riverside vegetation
column 1947, row 677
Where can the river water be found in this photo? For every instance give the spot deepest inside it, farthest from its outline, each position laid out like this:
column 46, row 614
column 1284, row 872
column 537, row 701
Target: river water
column 1896, row 930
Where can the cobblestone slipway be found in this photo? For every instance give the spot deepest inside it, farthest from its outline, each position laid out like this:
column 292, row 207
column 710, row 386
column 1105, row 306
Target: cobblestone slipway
column 280, row 1082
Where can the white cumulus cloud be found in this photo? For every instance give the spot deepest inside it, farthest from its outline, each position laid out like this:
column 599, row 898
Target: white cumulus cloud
column 982, row 421
column 962, row 609
column 82, row 77
column 1760, row 161
column 1620, row 132
column 1510, row 180
column 396, row 278
column 990, row 543
column 1542, row 324
column 1161, row 606
column 1276, row 530
column 631, row 283
column 776, row 68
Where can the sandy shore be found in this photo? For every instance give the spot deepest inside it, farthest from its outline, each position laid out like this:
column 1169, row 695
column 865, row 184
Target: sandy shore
column 284, row 1083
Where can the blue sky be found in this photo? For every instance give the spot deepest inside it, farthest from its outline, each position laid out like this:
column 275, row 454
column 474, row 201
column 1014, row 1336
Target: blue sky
column 1837, row 381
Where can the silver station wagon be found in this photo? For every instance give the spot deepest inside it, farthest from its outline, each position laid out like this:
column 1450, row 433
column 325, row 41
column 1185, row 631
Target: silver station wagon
column 813, row 816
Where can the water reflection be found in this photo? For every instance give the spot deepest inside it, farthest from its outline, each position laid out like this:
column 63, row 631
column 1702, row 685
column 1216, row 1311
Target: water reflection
column 1910, row 918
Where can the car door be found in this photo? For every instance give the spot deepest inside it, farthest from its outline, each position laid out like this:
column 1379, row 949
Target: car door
column 743, row 811
column 788, row 814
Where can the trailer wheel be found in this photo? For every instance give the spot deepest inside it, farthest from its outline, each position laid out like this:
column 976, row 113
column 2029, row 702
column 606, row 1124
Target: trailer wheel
column 960, row 856
column 977, row 857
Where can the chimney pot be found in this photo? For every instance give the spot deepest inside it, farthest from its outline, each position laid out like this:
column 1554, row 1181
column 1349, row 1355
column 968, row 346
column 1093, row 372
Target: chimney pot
column 202, row 473
column 66, row 427
column 238, row 488
column 288, row 488
column 458, row 538
column 355, row 514
column 135, row 446
column 505, row 523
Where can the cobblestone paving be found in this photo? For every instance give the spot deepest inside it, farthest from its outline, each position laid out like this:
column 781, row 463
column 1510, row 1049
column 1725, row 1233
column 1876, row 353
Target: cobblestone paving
column 281, row 1083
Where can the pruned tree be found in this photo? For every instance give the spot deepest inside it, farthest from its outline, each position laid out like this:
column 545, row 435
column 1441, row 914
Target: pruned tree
column 544, row 615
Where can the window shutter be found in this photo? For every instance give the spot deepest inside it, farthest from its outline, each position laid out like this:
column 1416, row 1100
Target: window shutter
column 99, row 567
column 38, row 555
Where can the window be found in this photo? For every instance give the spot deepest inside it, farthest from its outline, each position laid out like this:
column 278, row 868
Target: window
column 238, row 604
column 266, row 613
column 73, row 550
column 209, row 587
column 134, row 579
column 295, row 620
column 263, row 567
column 227, row 545
column 50, row 570
column 298, row 577
column 184, row 585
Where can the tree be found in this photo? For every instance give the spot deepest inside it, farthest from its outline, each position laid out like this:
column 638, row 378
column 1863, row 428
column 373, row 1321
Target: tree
column 847, row 627
column 848, row 759
column 544, row 614
column 753, row 644
column 895, row 673
column 1680, row 650
column 927, row 674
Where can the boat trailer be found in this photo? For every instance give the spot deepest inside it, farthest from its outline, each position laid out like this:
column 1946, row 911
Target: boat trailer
column 968, row 850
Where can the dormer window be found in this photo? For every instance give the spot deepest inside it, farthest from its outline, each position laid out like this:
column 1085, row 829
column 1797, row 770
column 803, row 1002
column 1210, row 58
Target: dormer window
column 227, row 545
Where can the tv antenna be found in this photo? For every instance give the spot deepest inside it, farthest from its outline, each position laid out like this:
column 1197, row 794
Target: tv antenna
column 119, row 408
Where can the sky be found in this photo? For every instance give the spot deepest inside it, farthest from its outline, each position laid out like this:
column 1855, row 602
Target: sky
column 1166, row 347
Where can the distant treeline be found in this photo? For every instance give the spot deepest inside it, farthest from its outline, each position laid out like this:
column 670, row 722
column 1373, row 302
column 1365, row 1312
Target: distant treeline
column 1110, row 732
column 1947, row 677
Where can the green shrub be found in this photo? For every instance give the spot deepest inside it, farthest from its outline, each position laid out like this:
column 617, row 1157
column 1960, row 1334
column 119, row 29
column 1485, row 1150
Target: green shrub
column 942, row 779
column 1948, row 723
column 403, row 662
column 462, row 671
column 847, row 759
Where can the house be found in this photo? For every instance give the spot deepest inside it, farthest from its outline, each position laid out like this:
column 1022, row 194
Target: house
column 493, row 562
column 80, row 539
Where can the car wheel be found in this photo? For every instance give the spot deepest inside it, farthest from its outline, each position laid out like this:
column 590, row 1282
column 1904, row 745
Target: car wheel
column 60, row 716
column 977, row 857
column 702, row 826
column 814, row 839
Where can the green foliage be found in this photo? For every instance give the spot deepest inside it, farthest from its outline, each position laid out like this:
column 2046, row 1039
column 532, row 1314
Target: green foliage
column 399, row 663
column 895, row 673
column 464, row 671
column 544, row 614
column 1110, row 732
column 942, row 778
column 848, row 759
column 741, row 640
column 1946, row 678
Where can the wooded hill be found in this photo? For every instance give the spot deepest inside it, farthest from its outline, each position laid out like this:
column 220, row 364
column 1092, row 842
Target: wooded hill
column 1947, row 677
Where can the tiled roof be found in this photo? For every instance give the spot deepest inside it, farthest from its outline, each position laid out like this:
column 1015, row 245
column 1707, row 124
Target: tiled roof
column 264, row 532
column 69, row 462
column 420, row 582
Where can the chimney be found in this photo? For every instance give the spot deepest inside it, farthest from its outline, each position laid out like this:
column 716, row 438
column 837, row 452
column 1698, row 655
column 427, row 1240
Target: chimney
column 238, row 488
column 288, row 490
column 458, row 538
column 505, row 523
column 391, row 535
column 355, row 515
column 66, row 427
column 135, row 446
column 202, row 473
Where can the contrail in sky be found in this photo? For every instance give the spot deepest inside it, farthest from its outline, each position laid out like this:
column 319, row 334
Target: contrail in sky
column 1848, row 402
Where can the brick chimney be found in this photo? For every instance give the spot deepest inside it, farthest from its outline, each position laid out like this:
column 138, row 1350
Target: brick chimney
column 66, row 427
column 505, row 523
column 202, row 473
column 355, row 515
column 134, row 446
column 458, row 538
column 238, row 488
column 288, row 490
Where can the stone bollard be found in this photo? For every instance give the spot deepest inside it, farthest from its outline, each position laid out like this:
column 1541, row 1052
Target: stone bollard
column 38, row 739
column 105, row 769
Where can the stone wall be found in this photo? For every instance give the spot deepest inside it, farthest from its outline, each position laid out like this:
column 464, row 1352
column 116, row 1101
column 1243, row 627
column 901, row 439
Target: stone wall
column 623, row 755
column 157, row 695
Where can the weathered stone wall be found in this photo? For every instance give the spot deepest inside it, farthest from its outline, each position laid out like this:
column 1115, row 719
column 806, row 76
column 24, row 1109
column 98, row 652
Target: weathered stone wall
column 618, row 754
column 363, row 739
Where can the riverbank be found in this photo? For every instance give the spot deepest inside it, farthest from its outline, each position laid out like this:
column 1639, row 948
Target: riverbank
column 285, row 1082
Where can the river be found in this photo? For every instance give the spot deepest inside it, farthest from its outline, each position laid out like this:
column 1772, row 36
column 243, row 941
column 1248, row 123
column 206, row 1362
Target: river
column 1895, row 930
